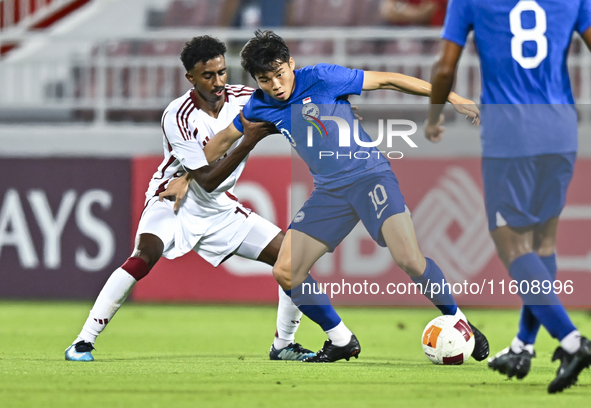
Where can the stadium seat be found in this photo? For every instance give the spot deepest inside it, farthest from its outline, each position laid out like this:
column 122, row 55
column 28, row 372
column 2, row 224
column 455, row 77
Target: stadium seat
column 179, row 13
column 310, row 47
column 403, row 47
column 200, row 13
column 322, row 13
column 160, row 47
column 362, row 47
column 367, row 13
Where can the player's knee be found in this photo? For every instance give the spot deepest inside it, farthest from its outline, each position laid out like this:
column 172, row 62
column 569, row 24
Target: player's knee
column 412, row 263
column 149, row 248
column 282, row 275
column 508, row 255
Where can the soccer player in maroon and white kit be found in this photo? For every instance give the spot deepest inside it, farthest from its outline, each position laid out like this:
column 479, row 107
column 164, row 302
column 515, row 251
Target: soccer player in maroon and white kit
column 210, row 221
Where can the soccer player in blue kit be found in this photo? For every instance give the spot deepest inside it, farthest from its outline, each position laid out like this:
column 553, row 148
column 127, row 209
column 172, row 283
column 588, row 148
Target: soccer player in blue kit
column 529, row 144
column 347, row 189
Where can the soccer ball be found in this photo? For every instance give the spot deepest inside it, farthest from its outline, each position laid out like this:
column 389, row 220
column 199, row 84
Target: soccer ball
column 448, row 340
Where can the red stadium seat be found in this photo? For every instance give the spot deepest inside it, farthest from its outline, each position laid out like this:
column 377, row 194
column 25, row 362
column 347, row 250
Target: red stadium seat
column 160, row 48
column 310, row 47
column 362, row 47
column 367, row 13
column 322, row 13
column 178, row 13
column 403, row 47
column 199, row 13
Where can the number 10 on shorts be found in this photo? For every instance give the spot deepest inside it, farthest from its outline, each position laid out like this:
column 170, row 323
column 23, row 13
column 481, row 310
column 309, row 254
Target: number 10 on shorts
column 378, row 197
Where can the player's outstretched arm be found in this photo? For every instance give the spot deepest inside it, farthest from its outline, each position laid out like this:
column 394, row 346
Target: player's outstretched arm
column 373, row 80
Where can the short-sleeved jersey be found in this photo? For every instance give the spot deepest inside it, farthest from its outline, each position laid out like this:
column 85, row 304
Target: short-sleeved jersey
column 326, row 88
column 186, row 130
column 523, row 46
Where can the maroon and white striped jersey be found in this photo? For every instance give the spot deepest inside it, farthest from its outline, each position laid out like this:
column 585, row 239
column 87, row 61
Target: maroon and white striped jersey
column 186, row 130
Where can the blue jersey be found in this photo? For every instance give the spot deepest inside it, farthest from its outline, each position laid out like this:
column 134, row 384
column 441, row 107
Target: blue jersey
column 321, row 91
column 523, row 46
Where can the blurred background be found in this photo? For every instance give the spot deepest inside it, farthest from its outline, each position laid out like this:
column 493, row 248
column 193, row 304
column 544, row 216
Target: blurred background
column 83, row 84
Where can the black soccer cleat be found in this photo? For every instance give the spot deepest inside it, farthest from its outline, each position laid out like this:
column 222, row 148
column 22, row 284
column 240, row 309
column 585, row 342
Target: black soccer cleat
column 571, row 366
column 512, row 364
column 330, row 353
column 481, row 349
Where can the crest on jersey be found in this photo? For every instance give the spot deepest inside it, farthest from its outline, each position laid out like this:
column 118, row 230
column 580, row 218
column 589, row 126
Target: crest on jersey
column 299, row 216
column 311, row 112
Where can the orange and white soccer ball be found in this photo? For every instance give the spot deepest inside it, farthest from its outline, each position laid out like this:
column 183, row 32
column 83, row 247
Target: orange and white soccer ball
column 448, row 340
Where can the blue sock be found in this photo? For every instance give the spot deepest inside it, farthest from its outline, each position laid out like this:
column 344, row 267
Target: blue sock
column 444, row 300
column 314, row 304
column 546, row 308
column 550, row 264
column 528, row 324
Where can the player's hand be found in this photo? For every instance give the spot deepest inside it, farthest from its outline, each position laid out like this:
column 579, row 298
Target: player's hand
column 468, row 108
column 356, row 108
column 434, row 132
column 175, row 191
column 256, row 131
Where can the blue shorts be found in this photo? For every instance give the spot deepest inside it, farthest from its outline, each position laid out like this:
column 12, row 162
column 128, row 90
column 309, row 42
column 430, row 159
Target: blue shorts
column 525, row 191
column 330, row 215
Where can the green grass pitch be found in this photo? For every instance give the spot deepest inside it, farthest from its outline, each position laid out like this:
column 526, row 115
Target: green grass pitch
column 209, row 356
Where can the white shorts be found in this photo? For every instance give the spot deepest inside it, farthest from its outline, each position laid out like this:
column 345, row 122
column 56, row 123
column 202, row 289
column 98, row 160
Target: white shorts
column 237, row 230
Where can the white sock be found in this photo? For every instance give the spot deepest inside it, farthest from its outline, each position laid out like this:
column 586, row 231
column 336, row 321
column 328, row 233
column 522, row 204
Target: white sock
column 572, row 342
column 461, row 315
column 113, row 294
column 340, row 335
column 517, row 345
column 288, row 321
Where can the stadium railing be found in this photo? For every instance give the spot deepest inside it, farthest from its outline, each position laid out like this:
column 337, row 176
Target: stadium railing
column 133, row 78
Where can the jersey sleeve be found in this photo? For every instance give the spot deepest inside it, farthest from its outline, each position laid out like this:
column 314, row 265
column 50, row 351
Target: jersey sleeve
column 340, row 81
column 584, row 20
column 247, row 111
column 458, row 21
column 182, row 138
column 238, row 124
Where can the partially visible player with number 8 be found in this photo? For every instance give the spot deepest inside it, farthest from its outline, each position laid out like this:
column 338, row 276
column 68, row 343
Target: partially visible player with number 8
column 529, row 144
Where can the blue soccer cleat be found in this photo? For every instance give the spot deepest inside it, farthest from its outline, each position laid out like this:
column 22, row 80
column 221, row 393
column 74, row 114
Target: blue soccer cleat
column 80, row 351
column 293, row 352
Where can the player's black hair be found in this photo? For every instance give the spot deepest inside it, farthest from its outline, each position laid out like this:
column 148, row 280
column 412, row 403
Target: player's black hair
column 201, row 49
column 263, row 53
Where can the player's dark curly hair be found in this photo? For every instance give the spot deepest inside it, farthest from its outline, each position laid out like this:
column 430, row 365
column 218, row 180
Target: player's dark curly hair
column 263, row 53
column 201, row 49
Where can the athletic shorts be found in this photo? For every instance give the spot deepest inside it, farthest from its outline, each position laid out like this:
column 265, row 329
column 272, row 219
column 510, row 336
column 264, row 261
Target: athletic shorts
column 330, row 215
column 235, row 230
column 525, row 191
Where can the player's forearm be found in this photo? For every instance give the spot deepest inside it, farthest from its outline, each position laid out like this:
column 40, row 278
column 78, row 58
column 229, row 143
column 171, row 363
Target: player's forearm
column 221, row 143
column 442, row 80
column 210, row 177
column 405, row 84
column 587, row 38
